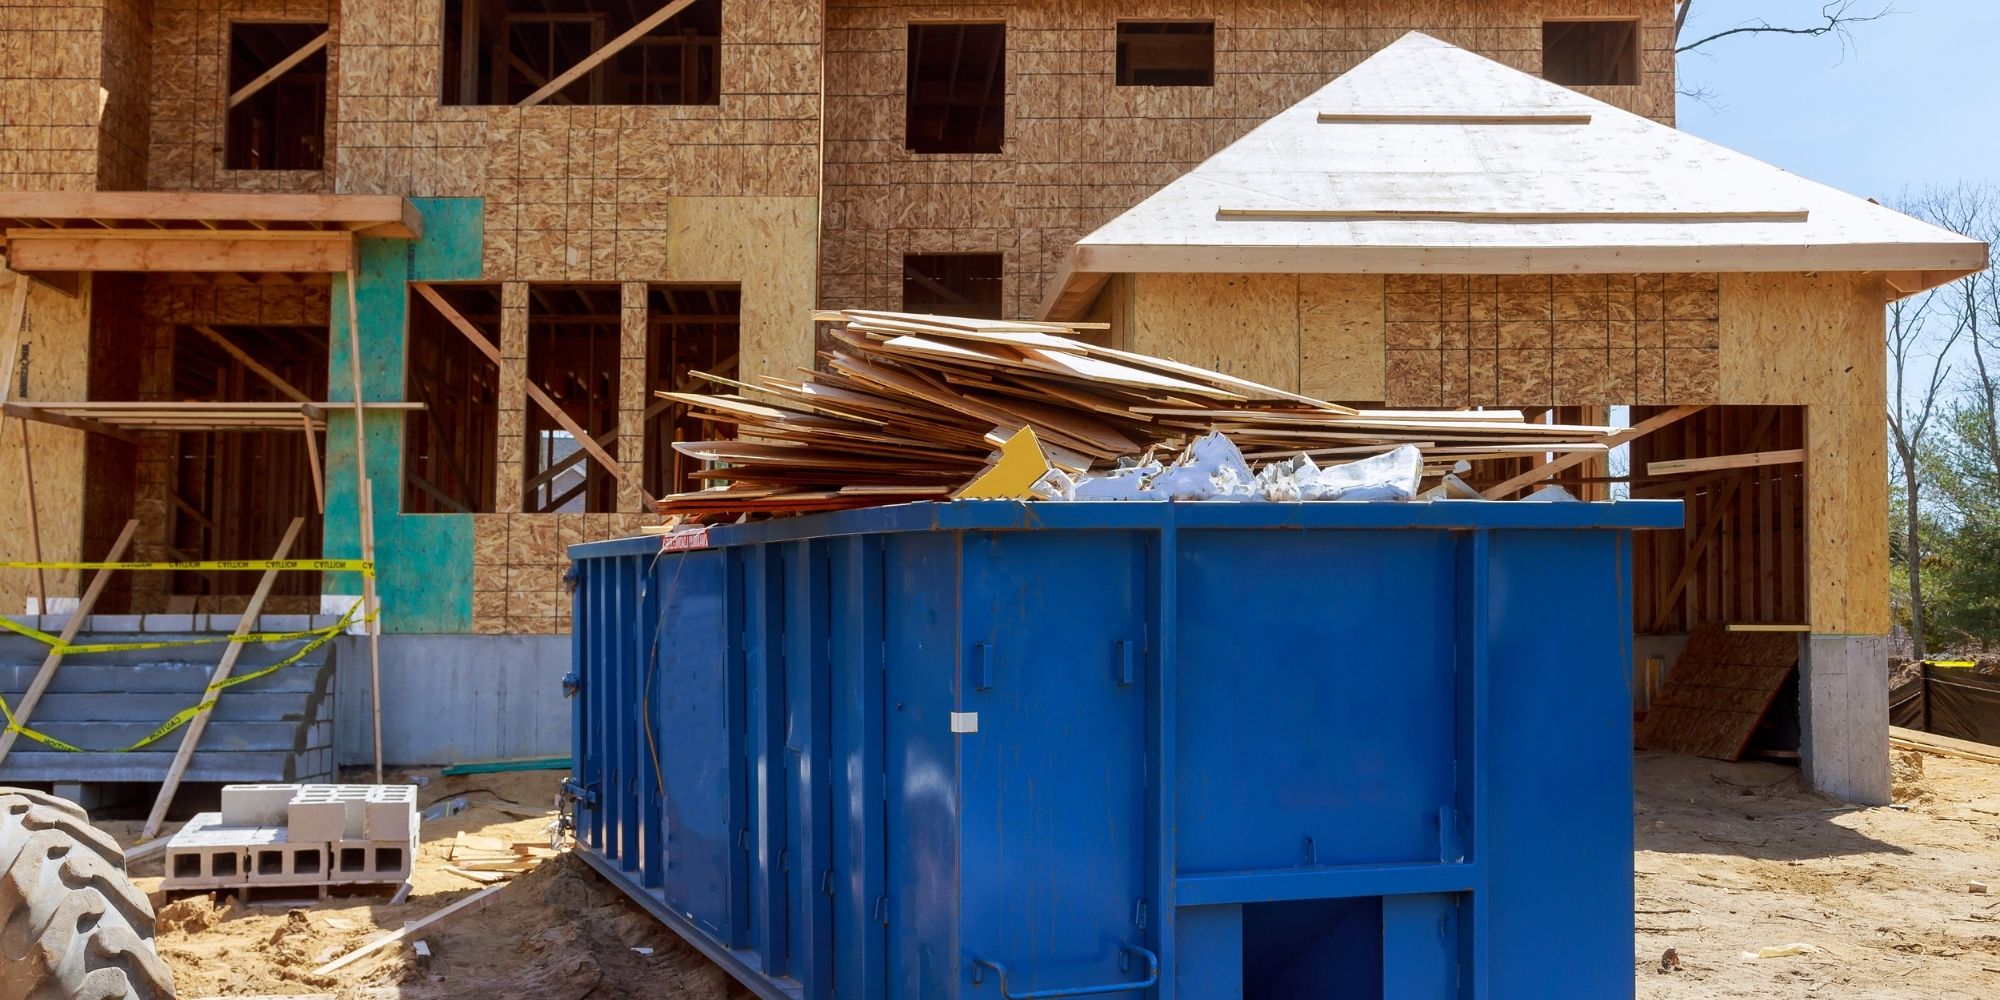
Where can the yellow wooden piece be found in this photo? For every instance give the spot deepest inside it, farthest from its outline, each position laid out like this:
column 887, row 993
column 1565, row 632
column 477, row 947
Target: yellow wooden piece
column 1021, row 463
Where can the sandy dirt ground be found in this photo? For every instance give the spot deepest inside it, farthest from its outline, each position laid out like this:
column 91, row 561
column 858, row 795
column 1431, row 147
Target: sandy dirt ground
column 1735, row 858
column 559, row 932
column 1732, row 858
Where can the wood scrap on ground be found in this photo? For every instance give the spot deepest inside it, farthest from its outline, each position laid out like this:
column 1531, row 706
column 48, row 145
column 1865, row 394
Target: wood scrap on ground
column 911, row 407
column 1944, row 746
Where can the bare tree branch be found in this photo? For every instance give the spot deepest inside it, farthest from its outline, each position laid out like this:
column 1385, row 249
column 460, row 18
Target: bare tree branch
column 1838, row 15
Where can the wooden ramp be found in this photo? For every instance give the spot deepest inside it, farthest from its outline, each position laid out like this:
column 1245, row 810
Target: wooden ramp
column 1718, row 691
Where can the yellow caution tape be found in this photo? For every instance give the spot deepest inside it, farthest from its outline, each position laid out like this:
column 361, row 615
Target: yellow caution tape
column 362, row 566
column 1952, row 663
column 211, row 694
column 56, row 645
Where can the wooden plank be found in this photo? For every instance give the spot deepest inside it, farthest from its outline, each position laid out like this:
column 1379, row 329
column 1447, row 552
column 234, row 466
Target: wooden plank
column 1509, row 216
column 10, row 341
column 25, row 708
column 1766, row 627
column 255, row 367
column 34, row 520
column 192, row 737
column 1947, row 746
column 365, row 490
column 40, row 412
column 1747, row 460
column 381, row 215
column 1550, row 468
column 179, row 250
column 610, row 48
column 1718, row 692
column 1450, row 118
column 470, row 904
column 278, row 69
column 312, row 459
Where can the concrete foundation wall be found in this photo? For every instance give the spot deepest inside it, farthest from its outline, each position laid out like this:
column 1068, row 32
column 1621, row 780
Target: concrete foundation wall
column 1844, row 711
column 455, row 697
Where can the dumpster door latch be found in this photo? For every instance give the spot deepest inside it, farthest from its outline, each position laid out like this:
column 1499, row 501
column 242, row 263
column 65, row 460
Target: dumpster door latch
column 882, row 910
column 1127, row 670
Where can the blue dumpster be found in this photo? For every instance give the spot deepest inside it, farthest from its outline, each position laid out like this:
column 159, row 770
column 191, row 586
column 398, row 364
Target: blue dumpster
column 1211, row 750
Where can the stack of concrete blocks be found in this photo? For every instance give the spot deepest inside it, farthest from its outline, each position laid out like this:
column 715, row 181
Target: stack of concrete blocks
column 276, row 836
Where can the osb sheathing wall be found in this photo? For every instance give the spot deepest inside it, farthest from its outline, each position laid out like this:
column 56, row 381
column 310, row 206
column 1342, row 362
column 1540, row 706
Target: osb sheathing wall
column 50, row 59
column 191, row 94
column 55, row 366
column 123, row 139
column 1812, row 340
column 1079, row 149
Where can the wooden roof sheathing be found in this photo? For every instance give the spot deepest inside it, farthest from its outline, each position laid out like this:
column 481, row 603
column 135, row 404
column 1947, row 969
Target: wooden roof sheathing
column 1429, row 158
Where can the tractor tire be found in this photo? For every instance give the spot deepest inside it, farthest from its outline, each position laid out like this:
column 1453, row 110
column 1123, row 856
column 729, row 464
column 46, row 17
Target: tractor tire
column 72, row 927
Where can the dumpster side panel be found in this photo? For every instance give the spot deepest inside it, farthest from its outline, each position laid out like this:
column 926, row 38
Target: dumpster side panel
column 1314, row 722
column 695, row 735
column 1559, row 766
column 920, row 605
column 1054, row 826
column 807, row 857
column 858, row 610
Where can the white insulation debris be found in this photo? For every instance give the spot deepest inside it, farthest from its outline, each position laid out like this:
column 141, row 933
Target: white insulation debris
column 1212, row 468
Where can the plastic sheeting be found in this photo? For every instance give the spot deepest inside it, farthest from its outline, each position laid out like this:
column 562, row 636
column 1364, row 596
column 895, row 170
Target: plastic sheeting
column 1213, row 468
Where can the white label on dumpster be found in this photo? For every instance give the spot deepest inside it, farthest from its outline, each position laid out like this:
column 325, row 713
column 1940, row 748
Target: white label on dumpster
column 965, row 722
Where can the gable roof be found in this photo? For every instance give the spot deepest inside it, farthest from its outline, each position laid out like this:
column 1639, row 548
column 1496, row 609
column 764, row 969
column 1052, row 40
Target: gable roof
column 1429, row 158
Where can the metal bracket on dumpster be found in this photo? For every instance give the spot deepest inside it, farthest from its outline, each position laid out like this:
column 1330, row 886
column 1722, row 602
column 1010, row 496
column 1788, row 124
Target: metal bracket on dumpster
column 1152, row 978
column 578, row 791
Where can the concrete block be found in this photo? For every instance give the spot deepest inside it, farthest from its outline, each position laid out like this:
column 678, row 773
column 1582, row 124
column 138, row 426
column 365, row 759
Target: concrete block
column 373, row 860
column 257, row 805
column 206, row 854
column 1844, row 716
column 276, row 859
column 327, row 812
column 168, row 623
column 29, row 620
column 390, row 812
column 224, row 623
column 114, row 623
column 284, row 623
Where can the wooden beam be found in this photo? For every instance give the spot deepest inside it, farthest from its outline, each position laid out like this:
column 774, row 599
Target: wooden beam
column 1507, row 216
column 34, row 520
column 279, row 69
column 392, row 215
column 10, row 337
column 1747, row 460
column 611, row 48
column 53, row 660
column 1449, row 118
column 312, row 459
column 192, row 738
column 365, row 496
column 1760, row 627
column 1575, row 458
column 243, row 358
column 178, row 250
column 535, row 392
column 33, row 412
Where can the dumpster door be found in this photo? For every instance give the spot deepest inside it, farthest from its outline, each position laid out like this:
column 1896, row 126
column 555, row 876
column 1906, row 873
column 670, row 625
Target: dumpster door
column 1052, row 750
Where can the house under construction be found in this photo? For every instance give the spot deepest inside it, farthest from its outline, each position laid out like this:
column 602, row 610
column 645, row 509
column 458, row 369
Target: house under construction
column 512, row 222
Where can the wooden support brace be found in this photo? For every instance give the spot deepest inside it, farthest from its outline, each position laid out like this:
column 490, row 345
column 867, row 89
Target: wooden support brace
column 365, row 500
column 1748, row 460
column 243, row 358
column 551, row 407
column 611, row 48
column 312, row 457
column 54, row 659
column 196, row 725
column 279, row 69
column 1575, row 458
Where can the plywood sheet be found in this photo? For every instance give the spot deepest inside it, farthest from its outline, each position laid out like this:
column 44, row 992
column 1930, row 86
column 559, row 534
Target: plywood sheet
column 767, row 245
column 1800, row 338
column 54, row 340
column 1847, row 510
column 1246, row 325
column 1340, row 336
column 1718, row 691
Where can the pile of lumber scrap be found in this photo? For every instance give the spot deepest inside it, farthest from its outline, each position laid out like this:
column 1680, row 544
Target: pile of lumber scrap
column 909, row 407
column 489, row 859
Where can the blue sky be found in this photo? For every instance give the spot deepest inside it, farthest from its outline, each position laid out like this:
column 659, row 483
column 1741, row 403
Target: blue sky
column 1914, row 98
